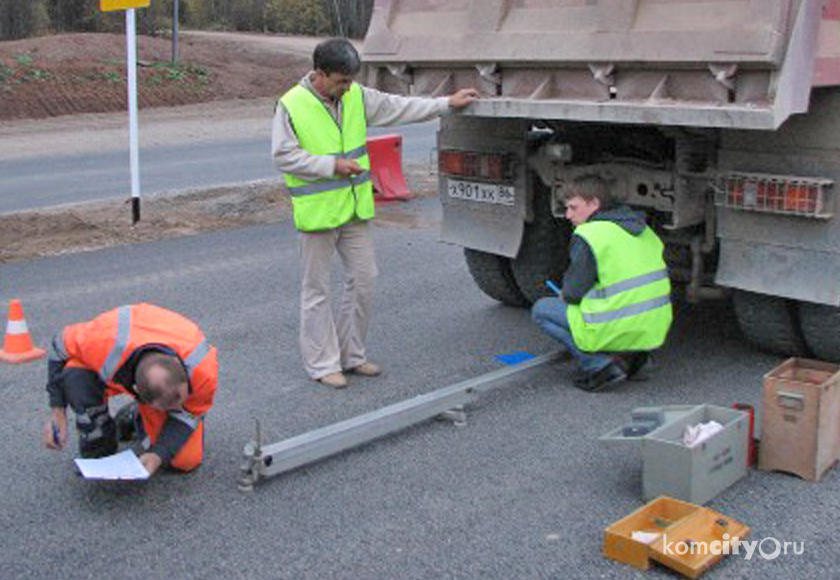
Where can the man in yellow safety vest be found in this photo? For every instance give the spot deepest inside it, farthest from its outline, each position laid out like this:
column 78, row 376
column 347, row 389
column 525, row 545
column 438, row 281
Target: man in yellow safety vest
column 319, row 140
column 615, row 305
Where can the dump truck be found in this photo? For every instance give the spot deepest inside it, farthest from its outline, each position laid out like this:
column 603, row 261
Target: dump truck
column 720, row 119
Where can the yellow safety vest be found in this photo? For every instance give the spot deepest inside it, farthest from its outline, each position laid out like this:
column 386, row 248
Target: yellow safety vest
column 325, row 204
column 629, row 308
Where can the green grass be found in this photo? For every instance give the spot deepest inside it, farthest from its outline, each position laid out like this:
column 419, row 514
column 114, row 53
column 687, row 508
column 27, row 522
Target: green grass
column 24, row 59
column 21, row 68
column 37, row 74
column 112, row 76
column 24, row 72
column 180, row 72
column 6, row 72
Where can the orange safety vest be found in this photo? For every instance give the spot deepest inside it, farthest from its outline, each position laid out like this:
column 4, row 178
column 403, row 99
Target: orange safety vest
column 105, row 343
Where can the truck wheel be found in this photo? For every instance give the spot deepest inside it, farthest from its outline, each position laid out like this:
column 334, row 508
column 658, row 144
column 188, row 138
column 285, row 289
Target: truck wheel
column 492, row 274
column 821, row 327
column 769, row 322
column 544, row 253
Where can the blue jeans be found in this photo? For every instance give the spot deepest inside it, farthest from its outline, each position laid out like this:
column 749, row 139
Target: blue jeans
column 550, row 315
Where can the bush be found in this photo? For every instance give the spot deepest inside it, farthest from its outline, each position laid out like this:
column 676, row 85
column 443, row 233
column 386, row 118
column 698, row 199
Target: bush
column 297, row 17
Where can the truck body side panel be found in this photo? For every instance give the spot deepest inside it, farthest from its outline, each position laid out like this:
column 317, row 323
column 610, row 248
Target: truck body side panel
column 793, row 257
column 827, row 69
column 701, row 63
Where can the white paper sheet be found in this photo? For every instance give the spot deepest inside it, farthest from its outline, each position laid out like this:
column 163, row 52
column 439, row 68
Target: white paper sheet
column 695, row 434
column 644, row 537
column 123, row 465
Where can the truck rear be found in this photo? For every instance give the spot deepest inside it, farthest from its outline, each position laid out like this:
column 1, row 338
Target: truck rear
column 717, row 118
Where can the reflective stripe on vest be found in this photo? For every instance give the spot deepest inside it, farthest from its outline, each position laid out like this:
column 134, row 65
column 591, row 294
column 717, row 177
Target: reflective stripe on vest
column 120, row 343
column 186, row 418
column 118, row 350
column 625, row 285
column 59, row 349
column 356, row 153
column 330, row 203
column 630, row 306
column 330, row 184
column 196, row 357
column 627, row 311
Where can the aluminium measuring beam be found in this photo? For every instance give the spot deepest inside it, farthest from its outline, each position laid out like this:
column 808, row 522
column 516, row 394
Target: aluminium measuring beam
column 267, row 461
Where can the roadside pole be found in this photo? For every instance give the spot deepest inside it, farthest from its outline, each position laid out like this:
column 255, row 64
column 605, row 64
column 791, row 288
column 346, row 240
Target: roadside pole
column 175, row 18
column 133, row 125
column 133, row 128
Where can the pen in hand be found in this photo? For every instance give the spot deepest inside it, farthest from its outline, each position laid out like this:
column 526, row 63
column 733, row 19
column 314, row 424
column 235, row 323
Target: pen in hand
column 554, row 287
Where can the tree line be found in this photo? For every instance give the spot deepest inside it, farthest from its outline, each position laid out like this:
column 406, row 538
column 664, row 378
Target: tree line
column 25, row 18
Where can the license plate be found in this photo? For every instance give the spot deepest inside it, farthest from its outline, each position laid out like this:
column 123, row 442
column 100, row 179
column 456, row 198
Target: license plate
column 484, row 192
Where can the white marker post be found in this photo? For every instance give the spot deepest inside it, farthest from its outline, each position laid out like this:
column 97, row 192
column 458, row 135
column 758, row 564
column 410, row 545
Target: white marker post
column 133, row 126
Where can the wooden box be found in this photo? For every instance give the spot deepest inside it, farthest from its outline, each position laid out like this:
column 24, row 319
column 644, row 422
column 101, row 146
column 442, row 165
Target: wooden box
column 688, row 538
column 800, row 425
column 655, row 517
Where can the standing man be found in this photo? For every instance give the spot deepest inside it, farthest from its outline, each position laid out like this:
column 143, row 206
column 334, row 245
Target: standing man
column 319, row 141
column 616, row 296
column 156, row 356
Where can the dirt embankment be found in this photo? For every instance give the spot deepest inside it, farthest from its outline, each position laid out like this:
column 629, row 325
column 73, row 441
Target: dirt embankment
column 55, row 96
column 86, row 73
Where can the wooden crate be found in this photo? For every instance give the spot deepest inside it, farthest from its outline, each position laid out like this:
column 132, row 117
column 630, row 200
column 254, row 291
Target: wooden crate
column 656, row 517
column 699, row 536
column 800, row 426
column 679, row 527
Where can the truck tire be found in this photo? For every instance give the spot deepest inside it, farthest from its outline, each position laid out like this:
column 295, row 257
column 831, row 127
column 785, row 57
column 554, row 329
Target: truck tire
column 770, row 323
column 544, row 253
column 493, row 276
column 821, row 327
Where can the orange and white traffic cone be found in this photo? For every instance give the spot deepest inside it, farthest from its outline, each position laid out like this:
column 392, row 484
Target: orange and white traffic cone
column 18, row 347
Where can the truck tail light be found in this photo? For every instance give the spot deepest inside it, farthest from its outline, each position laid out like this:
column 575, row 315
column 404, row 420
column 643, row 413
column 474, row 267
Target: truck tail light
column 802, row 196
column 471, row 164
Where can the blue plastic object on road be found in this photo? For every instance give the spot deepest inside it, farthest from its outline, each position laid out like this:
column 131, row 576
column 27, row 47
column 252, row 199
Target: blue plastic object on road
column 514, row 358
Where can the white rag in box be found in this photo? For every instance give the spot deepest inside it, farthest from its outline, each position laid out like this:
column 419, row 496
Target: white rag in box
column 696, row 434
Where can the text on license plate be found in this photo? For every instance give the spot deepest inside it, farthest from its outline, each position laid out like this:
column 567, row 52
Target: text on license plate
column 486, row 192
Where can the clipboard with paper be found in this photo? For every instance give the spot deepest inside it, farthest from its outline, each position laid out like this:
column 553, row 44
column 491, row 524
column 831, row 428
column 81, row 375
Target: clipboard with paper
column 120, row 466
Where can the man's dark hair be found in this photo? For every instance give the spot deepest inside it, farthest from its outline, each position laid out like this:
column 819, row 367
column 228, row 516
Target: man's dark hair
column 176, row 376
column 589, row 187
column 336, row 55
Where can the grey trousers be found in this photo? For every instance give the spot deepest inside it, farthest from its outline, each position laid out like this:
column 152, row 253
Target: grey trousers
column 326, row 345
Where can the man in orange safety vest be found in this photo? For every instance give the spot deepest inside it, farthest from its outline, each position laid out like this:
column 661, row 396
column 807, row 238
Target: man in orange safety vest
column 156, row 356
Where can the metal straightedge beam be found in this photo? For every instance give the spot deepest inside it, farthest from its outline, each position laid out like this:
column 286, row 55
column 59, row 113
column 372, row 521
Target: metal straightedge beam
column 267, row 461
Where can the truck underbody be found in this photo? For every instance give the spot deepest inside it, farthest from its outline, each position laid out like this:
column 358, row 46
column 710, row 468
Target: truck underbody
column 722, row 129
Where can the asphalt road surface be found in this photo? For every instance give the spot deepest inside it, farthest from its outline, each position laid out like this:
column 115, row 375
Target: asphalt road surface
column 523, row 491
column 44, row 181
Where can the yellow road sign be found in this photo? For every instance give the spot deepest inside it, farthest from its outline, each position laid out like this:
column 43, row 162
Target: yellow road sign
column 108, row 5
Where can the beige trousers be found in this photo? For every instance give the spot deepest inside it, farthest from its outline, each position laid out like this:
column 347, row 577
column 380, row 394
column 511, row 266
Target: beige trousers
column 326, row 345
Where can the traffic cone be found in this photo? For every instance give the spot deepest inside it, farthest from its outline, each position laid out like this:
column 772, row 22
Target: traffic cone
column 18, row 347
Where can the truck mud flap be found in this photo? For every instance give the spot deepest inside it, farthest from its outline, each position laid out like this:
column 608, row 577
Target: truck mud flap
column 493, row 231
column 784, row 271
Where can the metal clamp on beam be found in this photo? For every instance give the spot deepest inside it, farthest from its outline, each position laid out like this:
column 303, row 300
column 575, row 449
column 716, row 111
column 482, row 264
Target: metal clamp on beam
column 267, row 461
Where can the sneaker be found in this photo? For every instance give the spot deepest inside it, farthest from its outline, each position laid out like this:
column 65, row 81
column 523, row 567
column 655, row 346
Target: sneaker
column 637, row 367
column 128, row 422
column 610, row 375
column 634, row 364
column 334, row 380
column 367, row 369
